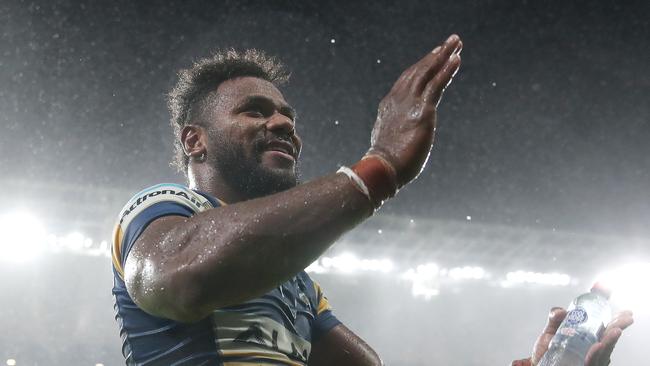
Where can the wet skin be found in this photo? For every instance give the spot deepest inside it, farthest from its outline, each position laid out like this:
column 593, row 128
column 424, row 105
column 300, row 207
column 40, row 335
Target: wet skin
column 251, row 116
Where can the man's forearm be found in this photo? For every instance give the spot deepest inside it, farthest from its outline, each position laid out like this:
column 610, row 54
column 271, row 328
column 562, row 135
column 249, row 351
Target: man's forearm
column 237, row 252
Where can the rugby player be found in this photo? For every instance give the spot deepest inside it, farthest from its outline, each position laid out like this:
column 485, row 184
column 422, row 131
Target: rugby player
column 212, row 273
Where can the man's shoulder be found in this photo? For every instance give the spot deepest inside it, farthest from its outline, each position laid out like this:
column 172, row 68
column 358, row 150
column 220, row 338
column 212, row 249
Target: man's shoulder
column 148, row 205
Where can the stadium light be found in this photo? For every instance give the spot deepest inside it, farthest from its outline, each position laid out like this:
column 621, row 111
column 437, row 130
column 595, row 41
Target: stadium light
column 629, row 285
column 540, row 278
column 75, row 241
column 425, row 280
column 11, row 362
column 466, row 273
column 349, row 263
column 23, row 237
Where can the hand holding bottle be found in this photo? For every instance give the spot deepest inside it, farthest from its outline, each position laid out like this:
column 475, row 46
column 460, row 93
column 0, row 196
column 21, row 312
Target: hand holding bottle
column 598, row 355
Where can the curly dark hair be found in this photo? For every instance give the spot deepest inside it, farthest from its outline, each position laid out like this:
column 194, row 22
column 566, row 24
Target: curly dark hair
column 195, row 83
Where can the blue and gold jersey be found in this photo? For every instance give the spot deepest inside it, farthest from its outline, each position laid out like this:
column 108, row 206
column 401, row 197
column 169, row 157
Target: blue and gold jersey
column 275, row 329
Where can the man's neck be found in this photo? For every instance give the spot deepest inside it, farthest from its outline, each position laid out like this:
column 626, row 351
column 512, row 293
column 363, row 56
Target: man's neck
column 206, row 179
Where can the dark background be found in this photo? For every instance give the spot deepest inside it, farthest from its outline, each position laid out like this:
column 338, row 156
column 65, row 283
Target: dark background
column 545, row 127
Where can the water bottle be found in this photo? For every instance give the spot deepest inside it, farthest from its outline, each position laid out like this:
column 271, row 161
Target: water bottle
column 586, row 319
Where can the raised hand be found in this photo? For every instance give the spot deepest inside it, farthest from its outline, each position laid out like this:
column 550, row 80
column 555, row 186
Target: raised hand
column 406, row 120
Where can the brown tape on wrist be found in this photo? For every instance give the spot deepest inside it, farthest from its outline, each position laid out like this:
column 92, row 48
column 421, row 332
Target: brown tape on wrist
column 379, row 176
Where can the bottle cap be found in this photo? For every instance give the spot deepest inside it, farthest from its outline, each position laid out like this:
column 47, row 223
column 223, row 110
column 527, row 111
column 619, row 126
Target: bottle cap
column 602, row 289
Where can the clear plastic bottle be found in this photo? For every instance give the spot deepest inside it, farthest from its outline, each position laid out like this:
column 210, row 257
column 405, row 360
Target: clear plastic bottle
column 587, row 317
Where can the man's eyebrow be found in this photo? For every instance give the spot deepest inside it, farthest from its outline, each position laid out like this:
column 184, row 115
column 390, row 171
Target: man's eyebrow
column 261, row 99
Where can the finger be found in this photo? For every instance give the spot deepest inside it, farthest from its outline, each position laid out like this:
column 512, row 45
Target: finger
column 609, row 341
column 621, row 320
column 436, row 87
column 593, row 355
column 555, row 318
column 600, row 353
column 405, row 78
column 433, row 62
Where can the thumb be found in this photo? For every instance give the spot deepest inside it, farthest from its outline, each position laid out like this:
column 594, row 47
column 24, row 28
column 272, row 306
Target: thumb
column 555, row 318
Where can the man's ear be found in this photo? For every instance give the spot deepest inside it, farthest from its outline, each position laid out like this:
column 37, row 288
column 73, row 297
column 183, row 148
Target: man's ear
column 193, row 140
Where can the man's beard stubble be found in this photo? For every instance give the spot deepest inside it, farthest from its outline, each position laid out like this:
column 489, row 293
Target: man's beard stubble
column 246, row 174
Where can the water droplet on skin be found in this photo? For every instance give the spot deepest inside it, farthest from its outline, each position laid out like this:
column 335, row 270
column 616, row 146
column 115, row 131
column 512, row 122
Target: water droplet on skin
column 416, row 111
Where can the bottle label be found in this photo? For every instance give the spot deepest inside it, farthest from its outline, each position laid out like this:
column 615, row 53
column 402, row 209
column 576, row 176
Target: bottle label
column 576, row 316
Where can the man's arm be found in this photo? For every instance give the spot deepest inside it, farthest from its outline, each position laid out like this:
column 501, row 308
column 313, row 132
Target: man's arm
column 341, row 347
column 183, row 268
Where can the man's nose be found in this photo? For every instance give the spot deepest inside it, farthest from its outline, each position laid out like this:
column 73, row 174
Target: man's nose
column 281, row 124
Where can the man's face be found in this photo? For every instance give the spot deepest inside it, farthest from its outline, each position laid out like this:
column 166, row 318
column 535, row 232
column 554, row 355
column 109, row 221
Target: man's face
column 251, row 137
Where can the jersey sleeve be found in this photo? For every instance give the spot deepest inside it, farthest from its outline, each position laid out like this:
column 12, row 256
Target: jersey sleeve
column 325, row 319
column 145, row 207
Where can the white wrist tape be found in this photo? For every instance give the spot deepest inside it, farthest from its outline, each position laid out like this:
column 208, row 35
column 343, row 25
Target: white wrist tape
column 356, row 179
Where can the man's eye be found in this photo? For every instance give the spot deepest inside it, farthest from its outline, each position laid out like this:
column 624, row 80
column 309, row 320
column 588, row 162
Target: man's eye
column 254, row 112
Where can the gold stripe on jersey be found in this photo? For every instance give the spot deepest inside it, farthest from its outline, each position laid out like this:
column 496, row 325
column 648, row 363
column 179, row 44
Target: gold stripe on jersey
column 323, row 303
column 117, row 250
